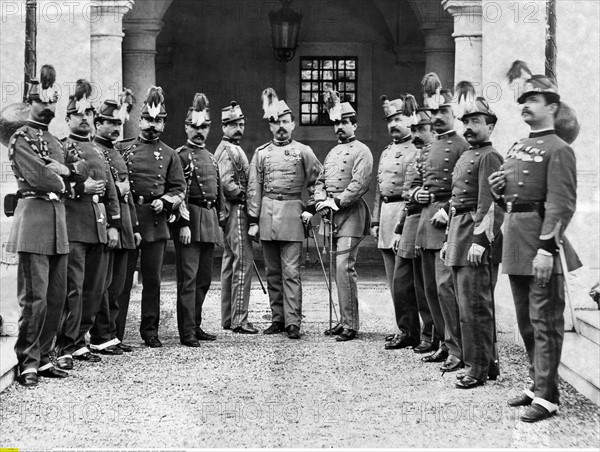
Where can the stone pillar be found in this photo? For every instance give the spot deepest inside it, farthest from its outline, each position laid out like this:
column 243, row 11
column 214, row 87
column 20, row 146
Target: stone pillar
column 106, row 37
column 439, row 51
column 467, row 35
column 139, row 65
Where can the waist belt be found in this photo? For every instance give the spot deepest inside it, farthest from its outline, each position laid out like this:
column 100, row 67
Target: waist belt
column 393, row 198
column 202, row 203
column 90, row 198
column 538, row 207
column 284, row 197
column 461, row 210
column 439, row 197
column 413, row 209
column 143, row 200
column 47, row 196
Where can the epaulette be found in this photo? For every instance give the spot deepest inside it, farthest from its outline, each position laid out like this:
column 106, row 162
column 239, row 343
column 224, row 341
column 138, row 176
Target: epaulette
column 263, row 146
column 179, row 149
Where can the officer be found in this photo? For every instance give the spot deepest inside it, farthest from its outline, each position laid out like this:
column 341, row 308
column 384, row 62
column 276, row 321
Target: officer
column 109, row 118
column 473, row 226
column 236, row 268
column 400, row 115
column 93, row 222
column 537, row 186
column 434, row 195
column 406, row 229
column 344, row 180
column 157, row 187
column 39, row 230
column 197, row 229
column 279, row 171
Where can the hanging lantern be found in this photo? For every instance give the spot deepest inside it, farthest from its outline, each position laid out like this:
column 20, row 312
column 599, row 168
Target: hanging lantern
column 285, row 28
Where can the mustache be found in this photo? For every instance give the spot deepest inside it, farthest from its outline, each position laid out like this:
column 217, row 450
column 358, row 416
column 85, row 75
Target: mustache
column 281, row 129
column 526, row 110
column 395, row 129
column 468, row 132
column 439, row 122
column 418, row 141
column 237, row 134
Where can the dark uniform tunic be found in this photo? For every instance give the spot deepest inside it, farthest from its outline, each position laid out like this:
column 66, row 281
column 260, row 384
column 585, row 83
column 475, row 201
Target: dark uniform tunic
column 437, row 278
column 88, row 217
column 475, row 219
column 105, row 331
column 388, row 208
column 346, row 177
column 539, row 198
column 236, row 268
column 278, row 173
column 39, row 236
column 154, row 173
column 199, row 212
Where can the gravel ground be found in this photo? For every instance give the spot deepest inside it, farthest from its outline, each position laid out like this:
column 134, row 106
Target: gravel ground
column 268, row 391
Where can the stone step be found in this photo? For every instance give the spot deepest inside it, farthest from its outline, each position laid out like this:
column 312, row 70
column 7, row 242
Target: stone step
column 8, row 361
column 589, row 324
column 580, row 365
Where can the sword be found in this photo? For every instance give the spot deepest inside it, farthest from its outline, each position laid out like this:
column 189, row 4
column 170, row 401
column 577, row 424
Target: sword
column 565, row 270
column 327, row 282
column 259, row 278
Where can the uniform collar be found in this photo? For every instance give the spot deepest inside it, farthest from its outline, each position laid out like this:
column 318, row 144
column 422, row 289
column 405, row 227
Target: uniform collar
column 37, row 125
column 541, row 133
column 141, row 139
column 191, row 144
column 80, row 138
column 104, row 142
column 281, row 143
column 347, row 140
column 403, row 139
column 448, row 134
column 230, row 140
column 485, row 144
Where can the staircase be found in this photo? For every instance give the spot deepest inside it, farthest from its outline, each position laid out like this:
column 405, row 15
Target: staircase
column 580, row 363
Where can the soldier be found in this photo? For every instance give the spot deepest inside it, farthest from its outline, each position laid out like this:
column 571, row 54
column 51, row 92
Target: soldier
column 158, row 187
column 278, row 173
column 104, row 337
column 93, row 223
column 400, row 115
column 39, row 230
column 236, row 269
column 197, row 230
column 434, row 195
column 537, row 187
column 406, row 230
column 473, row 226
column 344, row 180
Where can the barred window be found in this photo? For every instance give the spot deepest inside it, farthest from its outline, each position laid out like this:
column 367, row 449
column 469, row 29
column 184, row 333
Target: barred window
column 319, row 73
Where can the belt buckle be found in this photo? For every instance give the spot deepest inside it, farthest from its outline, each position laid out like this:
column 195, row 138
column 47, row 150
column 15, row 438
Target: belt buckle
column 126, row 199
column 385, row 199
column 140, row 200
column 53, row 196
column 509, row 206
column 209, row 204
column 95, row 199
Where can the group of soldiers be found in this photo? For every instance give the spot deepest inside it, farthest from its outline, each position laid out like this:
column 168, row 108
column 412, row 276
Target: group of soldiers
column 90, row 206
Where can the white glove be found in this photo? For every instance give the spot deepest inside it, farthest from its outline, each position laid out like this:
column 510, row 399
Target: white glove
column 306, row 217
column 443, row 252
column 329, row 203
column 475, row 254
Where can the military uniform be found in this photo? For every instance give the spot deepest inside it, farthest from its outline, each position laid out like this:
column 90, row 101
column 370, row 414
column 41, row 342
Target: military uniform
column 346, row 177
column 407, row 226
column 540, row 199
column 437, row 278
column 474, row 220
column 278, row 173
column 39, row 236
column 104, row 333
column 88, row 217
column 387, row 211
column 195, row 260
column 237, row 265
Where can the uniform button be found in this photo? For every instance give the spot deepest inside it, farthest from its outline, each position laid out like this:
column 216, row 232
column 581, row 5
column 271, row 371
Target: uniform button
column 445, row 170
column 160, row 149
column 200, row 185
column 449, row 141
column 469, row 171
column 155, row 184
column 380, row 171
column 539, row 141
column 156, row 223
column 135, row 146
column 477, row 153
column 520, row 184
column 160, row 166
column 342, row 170
column 462, row 200
column 130, row 172
column 159, row 176
column 395, row 172
column 445, row 178
column 472, row 162
column 151, row 192
column 339, row 178
column 447, row 150
column 525, row 171
column 446, row 160
column 464, row 191
column 466, row 181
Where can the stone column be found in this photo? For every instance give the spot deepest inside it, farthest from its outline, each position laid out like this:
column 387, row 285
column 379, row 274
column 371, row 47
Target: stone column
column 439, row 51
column 139, row 65
column 467, row 34
column 106, row 37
